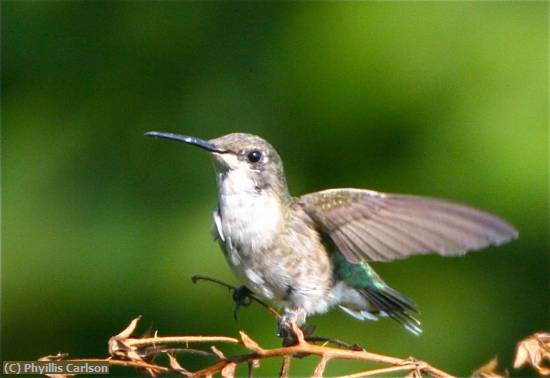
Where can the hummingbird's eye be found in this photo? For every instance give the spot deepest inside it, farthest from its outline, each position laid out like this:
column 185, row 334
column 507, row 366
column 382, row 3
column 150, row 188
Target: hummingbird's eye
column 254, row 156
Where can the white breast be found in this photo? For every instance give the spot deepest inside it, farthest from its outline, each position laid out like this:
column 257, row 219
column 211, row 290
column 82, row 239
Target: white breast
column 249, row 218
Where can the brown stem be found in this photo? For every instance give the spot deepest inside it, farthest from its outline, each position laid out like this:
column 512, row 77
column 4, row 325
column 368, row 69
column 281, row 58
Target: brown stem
column 180, row 340
column 370, row 373
column 324, row 352
column 285, row 367
column 130, row 352
column 320, row 368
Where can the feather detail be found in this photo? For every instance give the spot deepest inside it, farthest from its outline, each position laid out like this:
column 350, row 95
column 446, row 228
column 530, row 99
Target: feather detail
column 370, row 226
column 395, row 305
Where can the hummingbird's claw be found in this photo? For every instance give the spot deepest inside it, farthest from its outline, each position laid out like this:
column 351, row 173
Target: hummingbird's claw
column 290, row 326
column 241, row 296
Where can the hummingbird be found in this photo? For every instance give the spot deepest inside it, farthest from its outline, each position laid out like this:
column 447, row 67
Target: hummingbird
column 311, row 253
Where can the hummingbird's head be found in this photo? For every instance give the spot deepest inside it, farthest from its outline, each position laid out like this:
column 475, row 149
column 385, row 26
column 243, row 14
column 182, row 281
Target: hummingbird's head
column 248, row 161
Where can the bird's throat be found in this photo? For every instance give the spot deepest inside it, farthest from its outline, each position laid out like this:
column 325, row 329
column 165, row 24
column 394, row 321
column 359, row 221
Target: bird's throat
column 250, row 218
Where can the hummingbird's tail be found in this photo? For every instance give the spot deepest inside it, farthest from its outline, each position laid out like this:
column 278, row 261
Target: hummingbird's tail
column 380, row 297
column 395, row 305
column 385, row 301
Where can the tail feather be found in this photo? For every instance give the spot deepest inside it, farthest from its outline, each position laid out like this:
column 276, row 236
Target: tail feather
column 359, row 314
column 395, row 305
column 382, row 299
column 398, row 299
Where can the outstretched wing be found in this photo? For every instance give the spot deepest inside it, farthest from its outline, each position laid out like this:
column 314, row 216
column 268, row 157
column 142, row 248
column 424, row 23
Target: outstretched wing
column 373, row 226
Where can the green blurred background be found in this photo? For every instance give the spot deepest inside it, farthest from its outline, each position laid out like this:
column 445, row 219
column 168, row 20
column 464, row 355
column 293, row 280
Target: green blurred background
column 100, row 224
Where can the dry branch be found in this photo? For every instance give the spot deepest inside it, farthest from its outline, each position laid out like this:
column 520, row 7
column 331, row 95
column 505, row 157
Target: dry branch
column 141, row 352
column 129, row 351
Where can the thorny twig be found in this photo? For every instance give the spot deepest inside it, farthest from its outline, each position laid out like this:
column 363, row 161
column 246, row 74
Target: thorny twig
column 140, row 353
column 131, row 352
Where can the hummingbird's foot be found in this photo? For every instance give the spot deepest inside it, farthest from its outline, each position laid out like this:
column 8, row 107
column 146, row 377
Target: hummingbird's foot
column 242, row 298
column 289, row 325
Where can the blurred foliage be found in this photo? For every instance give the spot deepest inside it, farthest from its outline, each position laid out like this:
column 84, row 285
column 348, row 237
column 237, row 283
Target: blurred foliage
column 100, row 224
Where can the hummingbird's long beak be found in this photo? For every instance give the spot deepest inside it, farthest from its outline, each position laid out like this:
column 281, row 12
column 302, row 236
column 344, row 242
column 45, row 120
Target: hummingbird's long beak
column 204, row 144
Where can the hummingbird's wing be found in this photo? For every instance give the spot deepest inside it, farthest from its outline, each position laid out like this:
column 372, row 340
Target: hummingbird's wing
column 374, row 226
